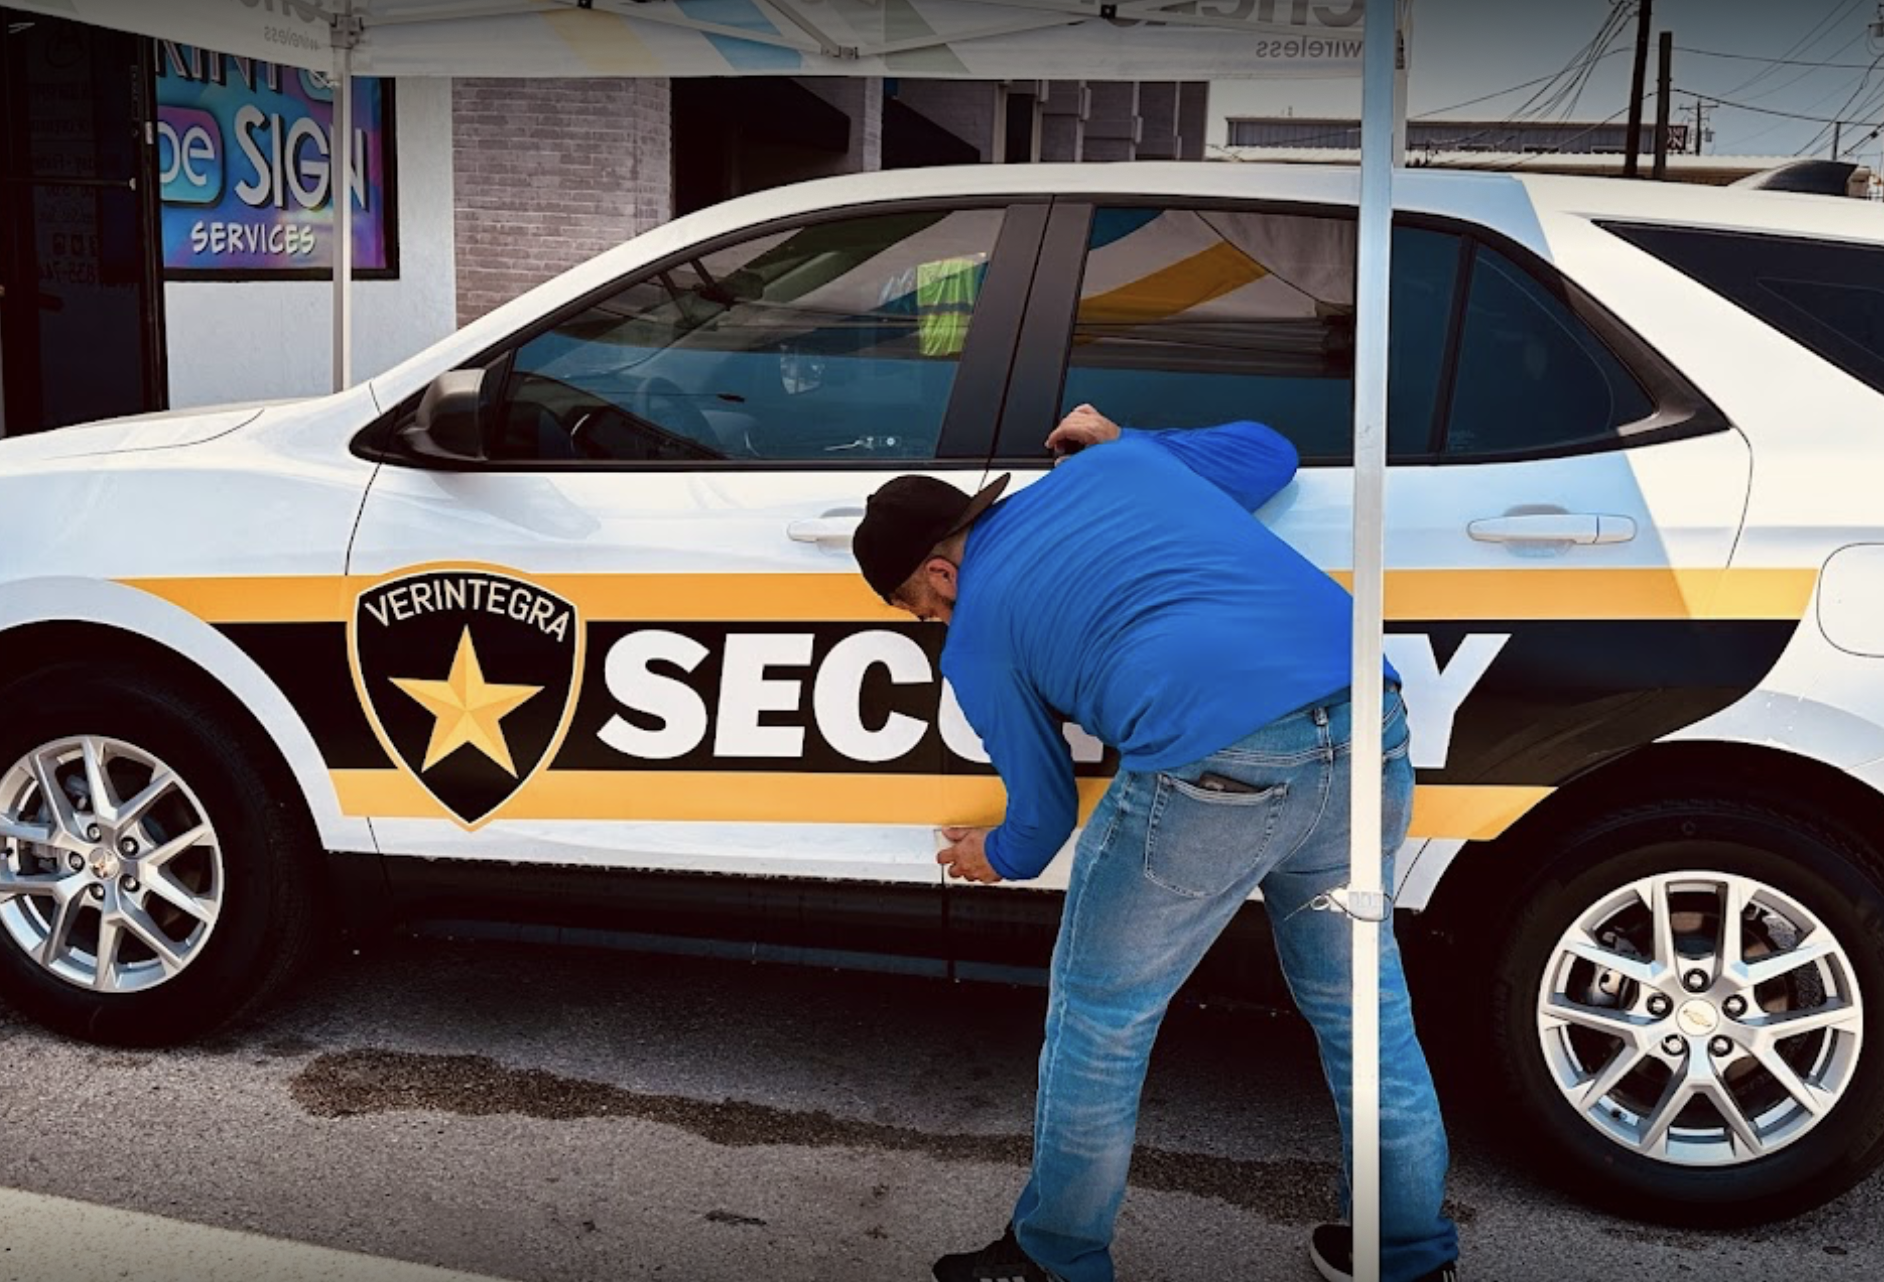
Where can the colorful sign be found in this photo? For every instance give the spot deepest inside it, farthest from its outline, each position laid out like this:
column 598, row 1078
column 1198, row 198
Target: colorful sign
column 246, row 159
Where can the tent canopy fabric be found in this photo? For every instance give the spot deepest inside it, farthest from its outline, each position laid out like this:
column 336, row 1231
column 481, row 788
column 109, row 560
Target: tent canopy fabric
column 930, row 39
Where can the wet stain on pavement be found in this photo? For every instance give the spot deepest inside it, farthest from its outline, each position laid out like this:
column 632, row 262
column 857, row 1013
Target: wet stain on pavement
column 727, row 1217
column 357, row 1082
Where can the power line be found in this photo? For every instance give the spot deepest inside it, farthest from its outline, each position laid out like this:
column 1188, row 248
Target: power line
column 1825, row 97
column 1581, row 63
column 1560, row 148
column 1718, row 101
column 1844, row 112
column 1797, row 76
column 1778, row 62
column 1833, row 16
column 1473, row 102
column 1612, row 32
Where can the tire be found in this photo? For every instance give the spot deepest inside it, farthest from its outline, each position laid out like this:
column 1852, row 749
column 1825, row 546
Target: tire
column 251, row 880
column 1805, row 886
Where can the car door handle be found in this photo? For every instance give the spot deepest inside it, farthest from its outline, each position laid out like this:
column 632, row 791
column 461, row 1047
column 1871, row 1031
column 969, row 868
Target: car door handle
column 1583, row 528
column 833, row 529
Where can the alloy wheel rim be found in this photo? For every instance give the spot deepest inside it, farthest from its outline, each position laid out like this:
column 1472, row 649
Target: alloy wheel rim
column 1701, row 1019
column 111, row 873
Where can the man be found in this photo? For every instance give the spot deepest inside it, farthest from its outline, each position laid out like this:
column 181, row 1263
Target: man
column 1130, row 591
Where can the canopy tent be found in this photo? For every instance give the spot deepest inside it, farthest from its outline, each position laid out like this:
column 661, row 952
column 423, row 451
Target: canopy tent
column 928, row 39
column 954, row 39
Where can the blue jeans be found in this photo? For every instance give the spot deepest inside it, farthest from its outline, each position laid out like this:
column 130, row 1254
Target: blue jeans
column 1160, row 871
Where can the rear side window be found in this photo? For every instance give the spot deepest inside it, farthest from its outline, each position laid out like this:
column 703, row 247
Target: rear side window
column 1532, row 376
column 1195, row 317
column 1191, row 318
column 1826, row 296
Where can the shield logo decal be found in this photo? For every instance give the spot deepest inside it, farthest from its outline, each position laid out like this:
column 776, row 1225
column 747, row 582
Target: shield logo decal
column 469, row 678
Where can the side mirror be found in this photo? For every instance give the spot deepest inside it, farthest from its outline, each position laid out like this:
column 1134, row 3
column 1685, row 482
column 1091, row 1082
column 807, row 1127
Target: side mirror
column 449, row 428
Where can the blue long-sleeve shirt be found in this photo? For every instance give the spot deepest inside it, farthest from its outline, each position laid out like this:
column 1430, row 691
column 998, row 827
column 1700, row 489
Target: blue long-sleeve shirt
column 1130, row 591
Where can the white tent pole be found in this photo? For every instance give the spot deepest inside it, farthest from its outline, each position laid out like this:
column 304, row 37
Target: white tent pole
column 340, row 169
column 1402, row 65
column 1366, row 900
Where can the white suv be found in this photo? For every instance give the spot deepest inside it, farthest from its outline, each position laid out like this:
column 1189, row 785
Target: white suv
column 558, row 622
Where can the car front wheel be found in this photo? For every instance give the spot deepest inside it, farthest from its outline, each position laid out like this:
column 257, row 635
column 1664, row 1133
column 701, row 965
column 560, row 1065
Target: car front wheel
column 153, row 881
column 1682, row 1008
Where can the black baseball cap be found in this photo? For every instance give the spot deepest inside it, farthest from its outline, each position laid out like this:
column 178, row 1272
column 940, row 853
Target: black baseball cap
column 904, row 521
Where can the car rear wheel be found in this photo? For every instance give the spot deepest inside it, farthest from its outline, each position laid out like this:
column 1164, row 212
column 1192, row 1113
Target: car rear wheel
column 151, row 887
column 1685, row 1007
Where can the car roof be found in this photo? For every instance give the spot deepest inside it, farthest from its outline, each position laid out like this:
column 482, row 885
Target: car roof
column 1460, row 193
column 1691, row 204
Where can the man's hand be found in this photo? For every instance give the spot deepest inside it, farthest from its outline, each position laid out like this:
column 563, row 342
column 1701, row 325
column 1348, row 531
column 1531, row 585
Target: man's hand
column 967, row 858
column 1083, row 427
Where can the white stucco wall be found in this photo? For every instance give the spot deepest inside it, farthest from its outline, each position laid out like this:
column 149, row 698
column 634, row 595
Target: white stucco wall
column 263, row 340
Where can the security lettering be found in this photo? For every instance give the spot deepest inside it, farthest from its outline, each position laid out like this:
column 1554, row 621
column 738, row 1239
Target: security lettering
column 874, row 699
column 1433, row 695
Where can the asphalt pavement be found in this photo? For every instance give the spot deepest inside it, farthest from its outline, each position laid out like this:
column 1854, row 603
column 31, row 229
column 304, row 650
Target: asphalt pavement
column 553, row 1115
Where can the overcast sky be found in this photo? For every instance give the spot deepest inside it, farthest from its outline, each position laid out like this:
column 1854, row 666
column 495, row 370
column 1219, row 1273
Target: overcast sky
column 1463, row 49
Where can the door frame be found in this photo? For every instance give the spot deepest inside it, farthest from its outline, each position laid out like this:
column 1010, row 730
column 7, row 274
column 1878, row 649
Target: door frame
column 19, row 330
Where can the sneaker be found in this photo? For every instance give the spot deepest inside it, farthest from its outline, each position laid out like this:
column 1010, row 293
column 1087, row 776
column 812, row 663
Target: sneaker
column 1002, row 1261
column 1331, row 1247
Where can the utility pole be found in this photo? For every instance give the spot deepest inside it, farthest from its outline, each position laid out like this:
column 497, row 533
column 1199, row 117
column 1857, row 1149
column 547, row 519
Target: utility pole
column 1661, row 105
column 1838, row 128
column 1631, row 165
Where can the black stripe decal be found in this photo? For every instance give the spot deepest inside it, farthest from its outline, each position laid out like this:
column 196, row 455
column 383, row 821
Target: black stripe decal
column 1560, row 698
column 308, row 661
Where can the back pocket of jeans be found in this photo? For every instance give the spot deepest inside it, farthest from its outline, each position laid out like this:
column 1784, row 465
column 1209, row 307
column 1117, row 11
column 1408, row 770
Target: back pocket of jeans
column 1200, row 842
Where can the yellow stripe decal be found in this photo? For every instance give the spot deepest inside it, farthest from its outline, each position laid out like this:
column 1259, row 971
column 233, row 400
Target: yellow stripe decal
column 1471, row 812
column 1191, row 282
column 1467, row 812
column 1412, row 595
column 1620, row 594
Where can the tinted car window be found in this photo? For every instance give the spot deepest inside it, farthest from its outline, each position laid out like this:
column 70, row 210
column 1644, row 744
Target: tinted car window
column 1532, row 377
column 836, row 341
column 1824, row 295
column 1190, row 318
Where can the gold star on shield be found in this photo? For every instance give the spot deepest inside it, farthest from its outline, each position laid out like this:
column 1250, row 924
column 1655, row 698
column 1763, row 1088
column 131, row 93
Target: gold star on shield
column 468, row 708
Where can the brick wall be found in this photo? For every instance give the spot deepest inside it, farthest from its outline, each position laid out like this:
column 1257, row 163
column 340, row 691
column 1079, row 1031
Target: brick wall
column 548, row 173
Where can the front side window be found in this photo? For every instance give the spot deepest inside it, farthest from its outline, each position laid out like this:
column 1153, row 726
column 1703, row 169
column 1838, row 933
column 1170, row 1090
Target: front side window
column 1190, row 318
column 838, row 342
